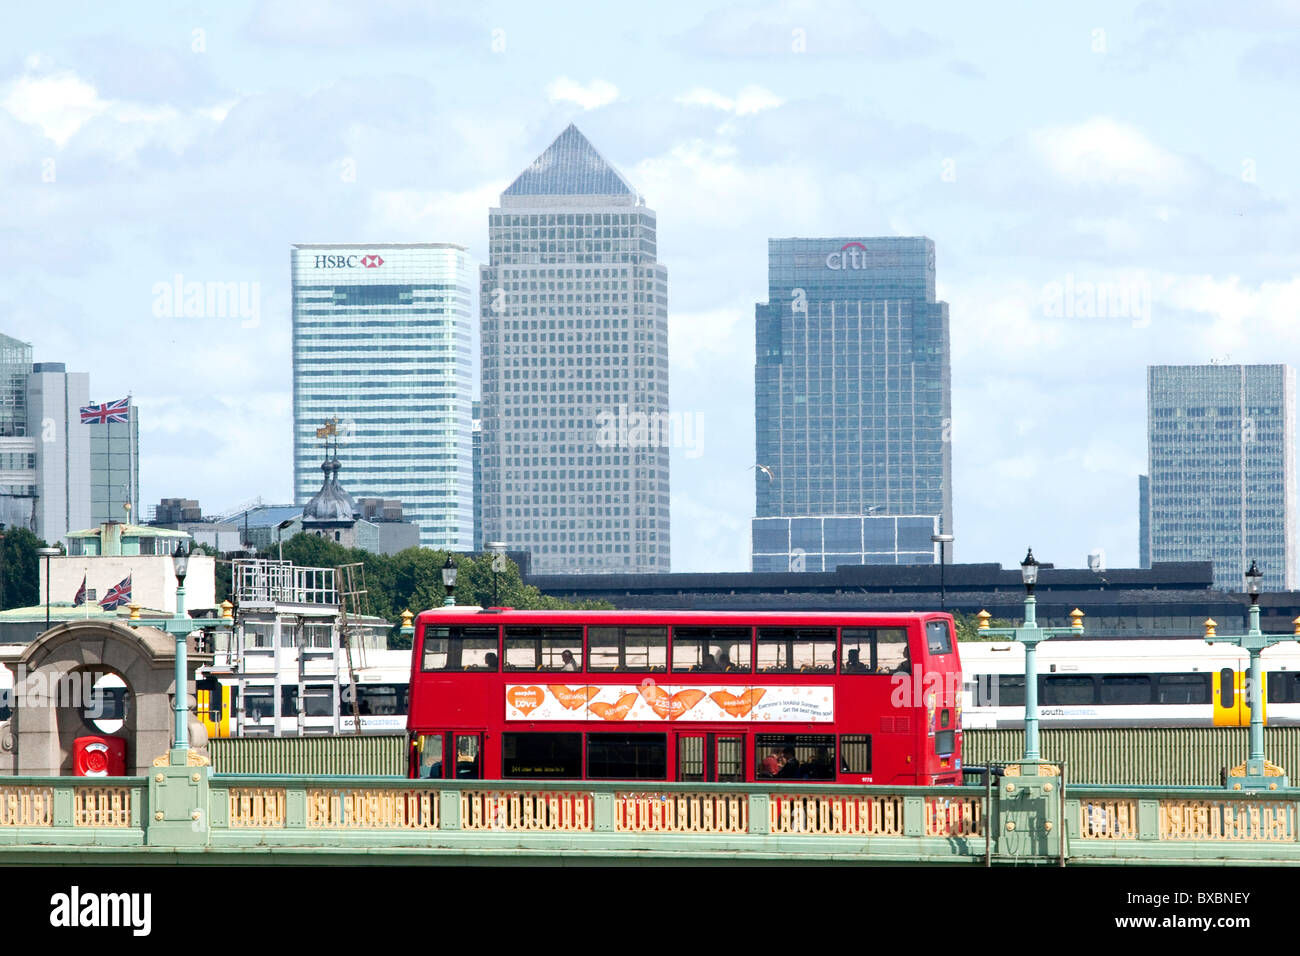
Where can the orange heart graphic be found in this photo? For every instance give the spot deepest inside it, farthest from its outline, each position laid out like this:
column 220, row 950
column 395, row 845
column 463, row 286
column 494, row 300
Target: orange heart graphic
column 525, row 699
column 615, row 711
column 572, row 699
column 676, row 705
column 738, row 706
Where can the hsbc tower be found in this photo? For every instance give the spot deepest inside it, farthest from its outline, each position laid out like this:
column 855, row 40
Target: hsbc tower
column 853, row 406
column 381, row 341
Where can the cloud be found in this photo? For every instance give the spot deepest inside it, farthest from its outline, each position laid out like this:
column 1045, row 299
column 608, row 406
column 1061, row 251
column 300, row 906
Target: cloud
column 1102, row 150
column 816, row 28
column 589, row 97
column 751, row 99
column 59, row 103
column 348, row 24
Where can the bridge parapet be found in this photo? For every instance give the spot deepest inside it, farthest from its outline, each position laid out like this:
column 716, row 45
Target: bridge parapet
column 295, row 819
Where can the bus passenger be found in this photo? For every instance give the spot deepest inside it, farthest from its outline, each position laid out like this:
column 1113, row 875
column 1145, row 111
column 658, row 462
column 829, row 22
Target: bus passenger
column 724, row 662
column 709, row 663
column 569, row 663
column 490, row 661
column 770, row 766
column 789, row 765
column 854, row 664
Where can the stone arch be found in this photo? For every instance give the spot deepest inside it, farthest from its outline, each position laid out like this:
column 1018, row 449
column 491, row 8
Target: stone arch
column 43, row 727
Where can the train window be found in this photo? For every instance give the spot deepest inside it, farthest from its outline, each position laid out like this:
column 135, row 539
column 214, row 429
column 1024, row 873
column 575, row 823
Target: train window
column 375, row 700
column 938, row 637
column 855, row 753
column 1010, row 690
column 711, row 649
column 796, row 650
column 460, row 649
column 794, row 756
column 627, row 756
column 557, row 756
column 627, row 648
column 1126, row 689
column 1182, row 688
column 1067, row 690
column 317, row 702
column 543, row 648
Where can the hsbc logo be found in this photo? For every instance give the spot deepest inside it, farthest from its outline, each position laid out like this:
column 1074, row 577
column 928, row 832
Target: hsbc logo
column 348, row 262
column 852, row 255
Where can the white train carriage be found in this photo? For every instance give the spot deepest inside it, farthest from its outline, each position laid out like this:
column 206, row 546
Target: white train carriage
column 1084, row 682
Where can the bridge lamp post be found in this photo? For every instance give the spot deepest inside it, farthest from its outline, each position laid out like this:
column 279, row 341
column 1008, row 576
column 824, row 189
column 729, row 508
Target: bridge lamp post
column 942, row 540
column 1030, row 634
column 47, row 553
column 1256, row 773
column 498, row 549
column 449, row 581
column 180, row 565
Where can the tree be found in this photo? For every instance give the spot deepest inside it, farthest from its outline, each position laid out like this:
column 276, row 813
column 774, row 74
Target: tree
column 20, row 581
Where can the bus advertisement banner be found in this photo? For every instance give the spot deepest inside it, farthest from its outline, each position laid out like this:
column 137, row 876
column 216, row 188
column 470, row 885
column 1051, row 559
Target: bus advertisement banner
column 650, row 701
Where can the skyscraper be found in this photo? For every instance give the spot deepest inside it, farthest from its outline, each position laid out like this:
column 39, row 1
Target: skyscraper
column 853, row 400
column 575, row 340
column 1221, row 469
column 114, row 470
column 381, row 341
column 45, row 483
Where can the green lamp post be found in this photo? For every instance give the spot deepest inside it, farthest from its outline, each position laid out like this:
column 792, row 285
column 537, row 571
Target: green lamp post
column 1030, row 634
column 1256, row 773
column 449, row 581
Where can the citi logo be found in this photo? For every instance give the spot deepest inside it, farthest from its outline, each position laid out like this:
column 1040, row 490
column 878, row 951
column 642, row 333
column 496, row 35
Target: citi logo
column 852, row 255
column 348, row 262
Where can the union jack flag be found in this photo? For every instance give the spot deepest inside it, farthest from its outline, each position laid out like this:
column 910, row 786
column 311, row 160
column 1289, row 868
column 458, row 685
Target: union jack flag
column 109, row 412
column 80, row 599
column 117, row 596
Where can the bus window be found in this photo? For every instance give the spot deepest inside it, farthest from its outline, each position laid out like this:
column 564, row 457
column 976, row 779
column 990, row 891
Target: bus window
column 627, row 648
column 730, row 758
column 627, row 756
column 875, row 650
column 469, row 757
column 460, row 649
column 855, row 753
column 790, row 650
column 431, row 756
column 543, row 648
column 558, row 756
column 716, row 649
column 938, row 637
column 797, row 756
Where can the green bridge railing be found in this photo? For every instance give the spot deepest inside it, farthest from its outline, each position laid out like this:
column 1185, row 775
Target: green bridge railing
column 187, row 814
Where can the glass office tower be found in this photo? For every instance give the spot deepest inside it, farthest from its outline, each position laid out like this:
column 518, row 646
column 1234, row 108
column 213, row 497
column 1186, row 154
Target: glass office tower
column 853, row 403
column 381, row 341
column 574, row 309
column 1221, row 469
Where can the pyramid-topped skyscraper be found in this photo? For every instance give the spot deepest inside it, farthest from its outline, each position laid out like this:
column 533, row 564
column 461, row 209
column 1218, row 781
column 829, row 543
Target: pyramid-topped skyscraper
column 575, row 426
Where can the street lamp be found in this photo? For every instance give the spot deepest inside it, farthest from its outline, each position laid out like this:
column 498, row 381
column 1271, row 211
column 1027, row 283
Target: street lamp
column 180, row 565
column 47, row 553
column 1030, row 634
column 941, row 540
column 498, row 549
column 449, row 581
column 1256, row 773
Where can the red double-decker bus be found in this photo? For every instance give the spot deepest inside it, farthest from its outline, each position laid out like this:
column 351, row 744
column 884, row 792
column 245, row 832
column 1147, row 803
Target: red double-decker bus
column 685, row 696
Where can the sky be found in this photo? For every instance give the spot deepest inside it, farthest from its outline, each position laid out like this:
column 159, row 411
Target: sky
column 1109, row 186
